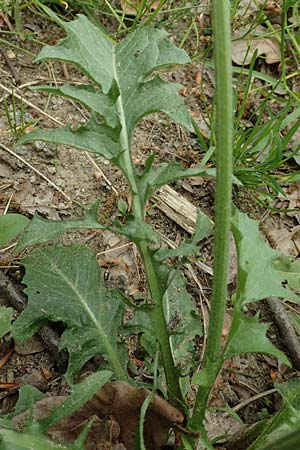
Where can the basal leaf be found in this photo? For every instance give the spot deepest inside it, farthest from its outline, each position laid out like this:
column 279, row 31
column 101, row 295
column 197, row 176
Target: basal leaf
column 257, row 277
column 43, row 230
column 248, row 335
column 64, row 284
column 10, row 226
column 124, row 72
column 89, row 339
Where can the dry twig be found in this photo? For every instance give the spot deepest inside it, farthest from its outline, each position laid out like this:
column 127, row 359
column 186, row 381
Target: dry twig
column 286, row 329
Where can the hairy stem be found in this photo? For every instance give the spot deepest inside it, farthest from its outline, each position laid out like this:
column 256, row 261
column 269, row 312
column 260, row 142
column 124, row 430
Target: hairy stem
column 224, row 143
column 160, row 327
column 157, row 315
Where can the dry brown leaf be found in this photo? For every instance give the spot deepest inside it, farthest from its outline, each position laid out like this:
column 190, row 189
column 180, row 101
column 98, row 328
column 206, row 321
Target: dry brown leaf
column 291, row 200
column 272, row 8
column 244, row 48
column 128, row 6
column 286, row 241
column 115, row 409
column 281, row 239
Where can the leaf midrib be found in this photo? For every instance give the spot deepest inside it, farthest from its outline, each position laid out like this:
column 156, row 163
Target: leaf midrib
column 89, row 312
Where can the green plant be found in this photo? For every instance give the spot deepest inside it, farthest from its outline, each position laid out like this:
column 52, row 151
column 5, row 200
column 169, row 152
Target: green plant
column 16, row 124
column 16, row 119
column 124, row 87
column 262, row 141
column 264, row 129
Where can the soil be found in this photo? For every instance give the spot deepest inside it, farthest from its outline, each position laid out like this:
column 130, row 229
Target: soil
column 23, row 190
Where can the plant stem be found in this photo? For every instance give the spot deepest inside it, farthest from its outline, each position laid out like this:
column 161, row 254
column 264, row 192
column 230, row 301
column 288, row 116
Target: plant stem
column 159, row 325
column 224, row 142
column 157, row 314
column 17, row 16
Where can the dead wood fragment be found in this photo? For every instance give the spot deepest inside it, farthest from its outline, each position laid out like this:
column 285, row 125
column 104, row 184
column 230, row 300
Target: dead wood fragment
column 178, row 208
column 9, row 386
column 115, row 409
column 6, row 357
column 51, row 337
column 286, row 329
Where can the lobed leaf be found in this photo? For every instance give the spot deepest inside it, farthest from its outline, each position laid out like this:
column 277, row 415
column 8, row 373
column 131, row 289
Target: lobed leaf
column 257, row 276
column 86, row 46
column 257, row 279
column 240, row 339
column 124, row 72
column 136, row 230
column 202, row 229
column 96, row 101
column 154, row 177
column 64, row 284
column 43, row 230
column 94, row 136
